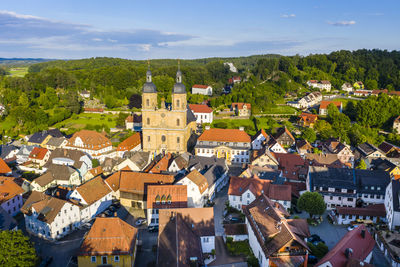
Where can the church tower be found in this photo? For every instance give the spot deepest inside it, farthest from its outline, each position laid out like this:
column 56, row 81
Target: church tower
column 179, row 101
column 149, row 93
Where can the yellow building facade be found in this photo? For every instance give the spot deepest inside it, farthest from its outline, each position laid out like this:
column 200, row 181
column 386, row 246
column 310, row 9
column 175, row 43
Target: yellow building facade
column 166, row 128
column 106, row 260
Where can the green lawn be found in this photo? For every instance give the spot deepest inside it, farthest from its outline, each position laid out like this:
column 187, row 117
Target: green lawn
column 267, row 123
column 280, row 110
column 80, row 121
column 18, row 72
column 345, row 101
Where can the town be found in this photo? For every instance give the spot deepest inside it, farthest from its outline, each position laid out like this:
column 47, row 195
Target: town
column 177, row 192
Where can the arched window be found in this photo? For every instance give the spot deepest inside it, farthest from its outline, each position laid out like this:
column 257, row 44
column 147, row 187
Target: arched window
column 178, row 122
column 177, row 103
column 148, row 138
column 158, row 199
column 169, row 198
column 163, row 138
column 163, row 199
column 147, row 102
column 178, row 140
column 148, row 121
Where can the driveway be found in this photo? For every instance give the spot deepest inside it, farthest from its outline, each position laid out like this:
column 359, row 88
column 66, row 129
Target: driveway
column 223, row 257
column 145, row 256
column 219, row 207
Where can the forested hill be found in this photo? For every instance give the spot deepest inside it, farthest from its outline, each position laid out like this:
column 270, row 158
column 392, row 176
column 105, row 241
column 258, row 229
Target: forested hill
column 13, row 62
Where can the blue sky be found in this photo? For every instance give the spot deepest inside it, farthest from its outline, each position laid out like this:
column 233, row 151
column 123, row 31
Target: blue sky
column 194, row 29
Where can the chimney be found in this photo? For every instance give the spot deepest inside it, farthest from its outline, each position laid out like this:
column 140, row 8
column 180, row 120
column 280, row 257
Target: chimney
column 115, row 214
column 363, row 233
column 241, row 128
column 348, row 253
column 207, row 127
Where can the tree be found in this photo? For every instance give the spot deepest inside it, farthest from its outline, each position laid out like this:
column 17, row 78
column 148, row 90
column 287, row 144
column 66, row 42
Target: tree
column 16, row 249
column 95, row 163
column 309, row 134
column 362, row 165
column 312, row 202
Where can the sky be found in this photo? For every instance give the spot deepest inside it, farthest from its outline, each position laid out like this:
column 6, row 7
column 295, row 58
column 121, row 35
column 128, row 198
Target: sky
column 72, row 29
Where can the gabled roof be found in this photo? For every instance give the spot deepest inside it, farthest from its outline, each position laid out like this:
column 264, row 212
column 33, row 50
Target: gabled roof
column 225, row 135
column 291, row 165
column 303, row 144
column 200, row 86
column 39, row 137
column 354, row 240
column 325, row 103
column 240, row 106
column 5, row 150
column 196, row 177
column 139, row 158
column 174, row 196
column 93, row 190
column 308, row 117
column 55, row 141
column 4, row 169
column 55, row 172
column 260, row 132
column 38, row 153
column 367, row 149
column 91, row 140
column 376, row 210
column 9, row 189
column 327, row 160
column 386, row 147
column 75, row 155
column 130, row 143
column 109, row 236
column 281, row 132
column 162, row 165
column 196, row 108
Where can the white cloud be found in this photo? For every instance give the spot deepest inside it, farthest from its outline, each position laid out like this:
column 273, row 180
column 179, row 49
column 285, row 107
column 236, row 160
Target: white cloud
column 342, row 23
column 288, row 15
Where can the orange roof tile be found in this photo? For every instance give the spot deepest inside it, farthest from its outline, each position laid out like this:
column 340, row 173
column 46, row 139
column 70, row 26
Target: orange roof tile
column 196, row 108
column 200, row 86
column 109, row 236
column 241, row 105
column 93, row 190
column 308, row 117
column 130, row 143
column 4, row 167
column 198, row 179
column 225, row 135
column 38, row 153
column 325, row 103
column 9, row 189
column 91, row 140
column 175, row 196
column 162, row 165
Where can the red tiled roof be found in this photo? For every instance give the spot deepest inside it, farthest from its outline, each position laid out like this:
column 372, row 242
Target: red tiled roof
column 196, row 108
column 130, row 143
column 91, row 140
column 325, row 103
column 9, row 189
column 93, row 190
column 38, row 153
column 291, row 165
column 313, row 81
column 308, row 117
column 162, row 165
column 174, row 196
column 200, row 86
column 360, row 246
column 376, row 210
column 241, row 105
column 225, row 135
column 4, row 167
column 93, row 109
column 129, row 118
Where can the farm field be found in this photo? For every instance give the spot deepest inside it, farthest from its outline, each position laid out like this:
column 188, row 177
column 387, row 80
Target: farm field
column 18, row 72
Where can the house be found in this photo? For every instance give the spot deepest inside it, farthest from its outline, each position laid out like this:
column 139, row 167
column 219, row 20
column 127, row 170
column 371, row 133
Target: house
column 110, row 241
column 131, row 187
column 241, row 109
column 197, row 187
column 10, row 195
column 312, row 83
column 363, row 93
column 259, row 140
column 56, row 142
column 41, row 138
column 368, row 152
column 95, row 144
column 98, row 171
column 284, row 137
column 374, row 212
column 203, row 113
column 236, row 231
column 346, row 187
column 179, row 163
column 273, row 237
column 57, row 174
column 323, row 107
column 85, row 94
column 264, row 173
column 324, row 160
column 322, row 85
column 390, row 150
column 347, row 87
column 292, row 166
column 199, row 89
column 392, row 205
column 39, row 156
column 4, row 169
column 243, row 191
column 94, row 196
column 164, row 197
column 274, row 146
column 185, row 237
column 49, row 217
column 264, row 158
column 343, row 151
column 134, row 122
column 385, row 165
column 79, row 160
column 357, row 245
column 358, row 85
column 135, row 161
column 8, row 152
column 23, row 154
column 388, row 244
column 303, row 147
column 231, row 144
column 162, row 165
column 308, row 119
column 378, row 92
column 235, row 79
column 307, row 101
column 132, row 143
column 396, row 125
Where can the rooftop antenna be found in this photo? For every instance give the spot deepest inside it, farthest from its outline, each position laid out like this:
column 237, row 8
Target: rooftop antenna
column 179, row 64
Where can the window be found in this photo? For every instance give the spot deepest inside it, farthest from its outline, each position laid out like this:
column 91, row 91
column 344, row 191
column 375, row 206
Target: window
column 163, row 138
column 178, row 140
column 148, row 121
column 350, row 199
column 163, row 199
column 205, row 239
column 103, row 259
column 178, row 122
column 116, row 258
column 147, row 102
column 148, row 138
column 248, row 195
column 169, row 198
column 93, row 259
column 177, row 103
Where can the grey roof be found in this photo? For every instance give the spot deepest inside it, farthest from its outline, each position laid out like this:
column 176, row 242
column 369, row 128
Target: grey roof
column 179, row 88
column 367, row 178
column 25, row 150
column 40, row 136
column 75, row 155
column 367, row 148
column 6, row 149
column 189, row 116
column 61, row 172
column 55, row 141
column 149, row 87
column 211, row 167
column 140, row 158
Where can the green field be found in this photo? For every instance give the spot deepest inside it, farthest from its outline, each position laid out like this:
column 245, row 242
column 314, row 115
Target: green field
column 345, row 101
column 18, row 72
column 280, row 110
column 250, row 127
column 80, row 121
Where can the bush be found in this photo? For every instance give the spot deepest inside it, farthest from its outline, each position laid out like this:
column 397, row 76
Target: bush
column 252, row 261
column 319, row 250
column 238, row 248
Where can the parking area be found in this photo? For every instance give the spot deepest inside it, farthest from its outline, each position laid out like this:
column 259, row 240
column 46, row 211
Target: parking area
column 147, row 252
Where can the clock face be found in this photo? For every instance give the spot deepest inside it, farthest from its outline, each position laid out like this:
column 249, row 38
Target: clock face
column 162, row 115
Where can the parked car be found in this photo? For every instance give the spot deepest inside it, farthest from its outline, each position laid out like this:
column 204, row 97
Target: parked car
column 315, row 239
column 352, row 227
column 140, row 221
column 153, row 229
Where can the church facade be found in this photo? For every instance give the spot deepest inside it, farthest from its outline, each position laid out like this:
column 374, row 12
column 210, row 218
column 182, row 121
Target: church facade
column 166, row 129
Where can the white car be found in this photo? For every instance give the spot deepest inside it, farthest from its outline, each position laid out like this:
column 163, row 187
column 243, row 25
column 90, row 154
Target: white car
column 352, row 227
column 140, row 222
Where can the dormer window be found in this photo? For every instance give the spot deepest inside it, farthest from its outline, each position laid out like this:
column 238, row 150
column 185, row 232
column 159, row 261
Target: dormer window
column 169, row 198
column 157, row 199
column 163, row 199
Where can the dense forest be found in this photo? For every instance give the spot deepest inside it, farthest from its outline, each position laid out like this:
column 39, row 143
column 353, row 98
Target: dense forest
column 49, row 92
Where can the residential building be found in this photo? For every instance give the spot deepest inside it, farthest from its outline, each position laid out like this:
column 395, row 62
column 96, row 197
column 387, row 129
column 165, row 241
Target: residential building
column 324, row 160
column 264, row 158
column 41, row 138
column 292, row 166
column 95, row 144
column 185, row 236
column 39, row 156
column 284, row 137
column 236, row 231
column 308, row 119
column 131, row 187
column 234, row 79
column 10, row 195
column 23, row 154
column 110, row 241
column 179, row 163
column 49, row 217
column 375, row 213
column 4, row 168
column 363, row 93
column 396, row 125
column 303, row 147
column 322, row 85
column 259, row 140
column 164, row 197
column 264, row 173
column 368, row 152
column 199, row 89
column 231, row 144
column 323, row 107
column 57, row 175
column 94, row 196
column 243, row 191
column 166, row 129
column 98, row 171
column 132, row 143
column 392, row 205
column 85, row 94
column 274, row 146
column 378, row 92
column 390, row 150
column 347, row 87
column 346, row 187
column 203, row 113
column 307, row 101
column 343, row 151
column 134, row 122
column 385, row 165
column 56, row 142
column 8, row 152
column 272, row 237
column 7, row 221
column 241, row 109
column 197, row 187
column 357, row 245
column 160, row 166
column 135, row 161
column 358, row 85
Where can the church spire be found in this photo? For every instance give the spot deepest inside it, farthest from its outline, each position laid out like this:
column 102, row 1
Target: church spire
column 179, row 73
column 148, row 73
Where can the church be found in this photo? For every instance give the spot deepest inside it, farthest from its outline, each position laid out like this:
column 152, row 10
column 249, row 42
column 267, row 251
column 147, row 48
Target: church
column 166, row 128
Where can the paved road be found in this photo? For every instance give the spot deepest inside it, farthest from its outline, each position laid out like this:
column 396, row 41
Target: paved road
column 146, row 256
column 219, row 207
column 223, row 257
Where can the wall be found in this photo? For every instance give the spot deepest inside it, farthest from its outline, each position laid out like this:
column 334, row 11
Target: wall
column 255, row 247
column 124, row 260
column 12, row 206
column 207, row 246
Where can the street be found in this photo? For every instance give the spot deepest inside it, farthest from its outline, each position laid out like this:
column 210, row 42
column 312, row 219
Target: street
column 146, row 255
column 220, row 198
